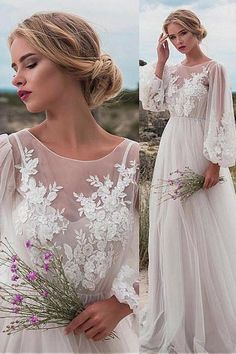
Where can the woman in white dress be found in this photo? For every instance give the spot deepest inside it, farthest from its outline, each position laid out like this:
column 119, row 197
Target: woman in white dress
column 70, row 182
column 192, row 245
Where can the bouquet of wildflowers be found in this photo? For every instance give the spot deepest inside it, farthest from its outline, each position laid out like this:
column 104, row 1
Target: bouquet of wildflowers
column 40, row 298
column 181, row 185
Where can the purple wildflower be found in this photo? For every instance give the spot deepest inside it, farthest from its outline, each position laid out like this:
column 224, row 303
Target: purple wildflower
column 28, row 244
column 32, row 276
column 33, row 319
column 45, row 293
column 14, row 268
column 48, row 255
column 46, row 266
column 17, row 299
column 14, row 277
column 14, row 258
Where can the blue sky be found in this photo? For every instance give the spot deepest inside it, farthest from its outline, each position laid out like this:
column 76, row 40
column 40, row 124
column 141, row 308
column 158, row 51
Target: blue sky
column 115, row 21
column 218, row 17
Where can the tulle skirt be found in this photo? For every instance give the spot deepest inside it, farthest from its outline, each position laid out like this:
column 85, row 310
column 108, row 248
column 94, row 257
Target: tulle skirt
column 192, row 255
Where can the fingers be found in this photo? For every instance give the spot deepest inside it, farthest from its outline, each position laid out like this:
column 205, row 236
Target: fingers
column 162, row 37
column 85, row 326
column 100, row 336
column 93, row 332
column 210, row 182
column 77, row 321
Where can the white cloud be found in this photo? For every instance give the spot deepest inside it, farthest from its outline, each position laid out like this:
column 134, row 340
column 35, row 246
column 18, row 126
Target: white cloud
column 218, row 19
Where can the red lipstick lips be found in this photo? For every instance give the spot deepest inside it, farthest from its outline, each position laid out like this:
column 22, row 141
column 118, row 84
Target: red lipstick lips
column 23, row 94
column 182, row 47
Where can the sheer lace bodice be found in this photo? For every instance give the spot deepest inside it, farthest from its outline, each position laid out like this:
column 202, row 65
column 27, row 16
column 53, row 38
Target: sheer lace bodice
column 200, row 92
column 84, row 208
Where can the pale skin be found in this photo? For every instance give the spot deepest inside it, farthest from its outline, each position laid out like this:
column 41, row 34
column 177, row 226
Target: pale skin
column 71, row 131
column 179, row 36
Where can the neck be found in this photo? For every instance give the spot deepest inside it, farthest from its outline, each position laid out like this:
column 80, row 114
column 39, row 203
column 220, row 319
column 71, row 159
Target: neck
column 71, row 122
column 195, row 55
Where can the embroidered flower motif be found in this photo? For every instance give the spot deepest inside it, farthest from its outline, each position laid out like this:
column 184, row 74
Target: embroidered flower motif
column 43, row 221
column 99, row 243
column 219, row 144
column 107, row 210
column 182, row 96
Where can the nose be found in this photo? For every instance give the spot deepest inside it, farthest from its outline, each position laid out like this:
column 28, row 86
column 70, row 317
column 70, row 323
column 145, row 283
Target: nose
column 179, row 41
column 18, row 80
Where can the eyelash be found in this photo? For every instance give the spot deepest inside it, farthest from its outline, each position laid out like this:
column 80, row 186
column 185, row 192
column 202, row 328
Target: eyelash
column 29, row 67
column 182, row 33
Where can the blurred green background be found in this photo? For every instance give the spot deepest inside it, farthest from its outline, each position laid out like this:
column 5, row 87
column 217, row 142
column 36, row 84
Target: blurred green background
column 119, row 116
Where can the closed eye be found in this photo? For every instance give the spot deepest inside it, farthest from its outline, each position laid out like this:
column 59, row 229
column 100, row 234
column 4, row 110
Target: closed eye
column 31, row 66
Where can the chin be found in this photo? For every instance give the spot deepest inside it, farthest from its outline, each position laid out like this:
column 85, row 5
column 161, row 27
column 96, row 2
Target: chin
column 34, row 109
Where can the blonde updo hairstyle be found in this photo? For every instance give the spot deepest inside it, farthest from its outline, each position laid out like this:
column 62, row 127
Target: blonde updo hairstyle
column 73, row 45
column 188, row 20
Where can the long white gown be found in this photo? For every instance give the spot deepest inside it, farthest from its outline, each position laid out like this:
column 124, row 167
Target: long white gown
column 192, row 245
column 87, row 208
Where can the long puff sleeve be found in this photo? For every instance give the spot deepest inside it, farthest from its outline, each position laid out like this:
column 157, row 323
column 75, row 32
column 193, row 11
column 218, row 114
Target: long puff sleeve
column 7, row 178
column 220, row 132
column 152, row 89
column 125, row 284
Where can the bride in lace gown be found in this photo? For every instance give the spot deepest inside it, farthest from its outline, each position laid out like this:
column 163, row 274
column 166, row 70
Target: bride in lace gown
column 192, row 245
column 69, row 183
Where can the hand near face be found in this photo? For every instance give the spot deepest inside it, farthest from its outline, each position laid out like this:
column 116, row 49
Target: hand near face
column 98, row 320
column 163, row 51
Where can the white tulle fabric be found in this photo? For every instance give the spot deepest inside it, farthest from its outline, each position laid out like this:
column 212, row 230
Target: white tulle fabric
column 192, row 245
column 87, row 210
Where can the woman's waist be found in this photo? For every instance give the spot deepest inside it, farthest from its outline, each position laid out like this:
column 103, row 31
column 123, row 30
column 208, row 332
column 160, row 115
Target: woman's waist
column 187, row 118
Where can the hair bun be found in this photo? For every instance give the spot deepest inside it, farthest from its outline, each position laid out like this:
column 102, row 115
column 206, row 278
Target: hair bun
column 203, row 32
column 101, row 65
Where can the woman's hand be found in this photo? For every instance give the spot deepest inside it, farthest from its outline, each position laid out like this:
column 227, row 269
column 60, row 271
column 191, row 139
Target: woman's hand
column 98, row 320
column 163, row 51
column 211, row 175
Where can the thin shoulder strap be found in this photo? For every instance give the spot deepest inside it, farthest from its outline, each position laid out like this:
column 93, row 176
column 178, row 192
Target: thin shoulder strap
column 20, row 147
column 126, row 152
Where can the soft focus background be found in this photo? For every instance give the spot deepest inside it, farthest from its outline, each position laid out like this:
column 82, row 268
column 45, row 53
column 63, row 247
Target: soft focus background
column 117, row 26
column 218, row 17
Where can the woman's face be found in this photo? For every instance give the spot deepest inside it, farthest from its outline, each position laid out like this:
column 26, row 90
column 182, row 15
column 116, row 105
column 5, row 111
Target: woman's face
column 46, row 83
column 182, row 39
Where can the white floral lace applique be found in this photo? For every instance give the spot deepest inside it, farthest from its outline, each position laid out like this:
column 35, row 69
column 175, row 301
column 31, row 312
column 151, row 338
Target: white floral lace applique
column 172, row 83
column 35, row 213
column 192, row 89
column 109, row 223
column 219, row 145
column 123, row 286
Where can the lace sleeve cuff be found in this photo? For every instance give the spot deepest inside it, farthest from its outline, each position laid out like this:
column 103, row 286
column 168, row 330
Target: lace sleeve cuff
column 123, row 288
column 220, row 142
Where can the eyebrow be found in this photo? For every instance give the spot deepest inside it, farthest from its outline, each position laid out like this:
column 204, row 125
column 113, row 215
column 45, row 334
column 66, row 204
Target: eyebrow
column 23, row 58
column 177, row 32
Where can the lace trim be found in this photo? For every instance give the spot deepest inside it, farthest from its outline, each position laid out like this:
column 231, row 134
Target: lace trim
column 123, row 288
column 220, row 144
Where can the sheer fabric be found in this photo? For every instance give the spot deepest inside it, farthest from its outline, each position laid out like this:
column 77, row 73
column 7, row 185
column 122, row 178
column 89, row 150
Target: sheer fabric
column 87, row 210
column 192, row 245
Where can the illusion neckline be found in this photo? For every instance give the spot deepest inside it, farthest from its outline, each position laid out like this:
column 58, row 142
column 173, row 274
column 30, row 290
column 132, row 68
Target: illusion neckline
column 192, row 66
column 68, row 158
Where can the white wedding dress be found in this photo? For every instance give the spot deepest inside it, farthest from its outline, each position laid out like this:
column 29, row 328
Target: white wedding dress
column 87, row 208
column 192, row 245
